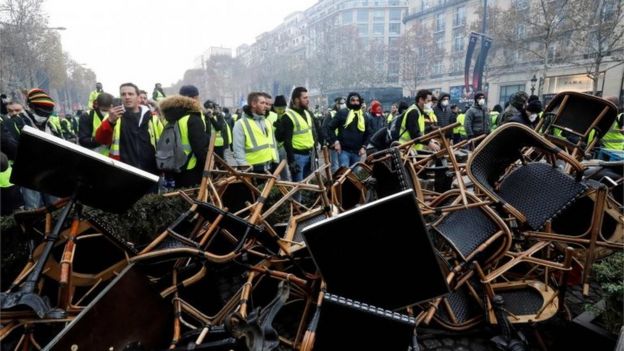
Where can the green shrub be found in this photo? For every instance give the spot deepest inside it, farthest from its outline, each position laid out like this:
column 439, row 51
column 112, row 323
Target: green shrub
column 610, row 275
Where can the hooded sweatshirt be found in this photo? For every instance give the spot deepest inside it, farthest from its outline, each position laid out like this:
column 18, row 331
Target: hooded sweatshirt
column 376, row 119
column 350, row 137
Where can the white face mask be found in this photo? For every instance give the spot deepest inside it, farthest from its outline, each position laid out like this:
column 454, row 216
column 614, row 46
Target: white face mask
column 532, row 117
column 342, row 106
column 481, row 102
column 444, row 103
column 428, row 106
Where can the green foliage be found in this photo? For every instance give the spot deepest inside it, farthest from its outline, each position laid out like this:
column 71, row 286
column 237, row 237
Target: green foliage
column 146, row 219
column 140, row 225
column 610, row 275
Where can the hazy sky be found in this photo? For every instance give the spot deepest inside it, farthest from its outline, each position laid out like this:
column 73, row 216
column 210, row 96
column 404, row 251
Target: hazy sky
column 149, row 41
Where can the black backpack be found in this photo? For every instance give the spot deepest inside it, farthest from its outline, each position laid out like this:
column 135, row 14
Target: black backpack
column 170, row 156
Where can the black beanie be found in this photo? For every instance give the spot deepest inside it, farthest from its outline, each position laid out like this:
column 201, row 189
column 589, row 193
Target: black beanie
column 280, row 101
column 535, row 106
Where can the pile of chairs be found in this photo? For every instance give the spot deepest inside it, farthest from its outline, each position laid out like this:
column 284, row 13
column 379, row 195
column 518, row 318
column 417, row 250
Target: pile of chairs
column 460, row 243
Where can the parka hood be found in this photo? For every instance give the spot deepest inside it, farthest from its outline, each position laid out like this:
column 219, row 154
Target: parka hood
column 177, row 106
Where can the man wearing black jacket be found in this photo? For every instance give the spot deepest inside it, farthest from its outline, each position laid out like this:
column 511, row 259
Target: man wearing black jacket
column 183, row 109
column 353, row 131
column 91, row 121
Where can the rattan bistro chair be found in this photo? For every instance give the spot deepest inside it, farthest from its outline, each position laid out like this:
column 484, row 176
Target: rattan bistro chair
column 473, row 233
column 577, row 121
column 533, row 192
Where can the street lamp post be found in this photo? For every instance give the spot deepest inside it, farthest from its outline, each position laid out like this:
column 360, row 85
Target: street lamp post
column 533, row 81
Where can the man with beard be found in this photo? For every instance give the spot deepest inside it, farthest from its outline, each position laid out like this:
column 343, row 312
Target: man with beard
column 353, row 132
column 297, row 131
column 254, row 141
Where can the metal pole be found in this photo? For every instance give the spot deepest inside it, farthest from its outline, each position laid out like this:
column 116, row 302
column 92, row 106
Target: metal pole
column 484, row 28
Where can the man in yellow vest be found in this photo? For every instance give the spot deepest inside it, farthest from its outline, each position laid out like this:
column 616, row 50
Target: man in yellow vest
column 94, row 94
column 158, row 93
column 297, row 133
column 613, row 140
column 187, row 113
column 412, row 123
column 90, row 121
column 353, row 131
column 254, row 140
column 131, row 131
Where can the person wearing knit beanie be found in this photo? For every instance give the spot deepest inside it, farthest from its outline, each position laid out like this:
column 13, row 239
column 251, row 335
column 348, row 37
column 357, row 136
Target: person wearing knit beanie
column 40, row 103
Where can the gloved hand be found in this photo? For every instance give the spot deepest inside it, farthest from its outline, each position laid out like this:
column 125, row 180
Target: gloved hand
column 294, row 168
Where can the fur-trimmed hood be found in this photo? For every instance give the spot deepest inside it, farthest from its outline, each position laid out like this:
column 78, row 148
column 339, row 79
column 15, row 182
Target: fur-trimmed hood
column 177, row 106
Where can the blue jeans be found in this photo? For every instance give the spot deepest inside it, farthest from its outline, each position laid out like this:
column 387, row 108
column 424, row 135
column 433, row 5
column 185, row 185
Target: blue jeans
column 305, row 167
column 335, row 162
column 35, row 199
column 346, row 158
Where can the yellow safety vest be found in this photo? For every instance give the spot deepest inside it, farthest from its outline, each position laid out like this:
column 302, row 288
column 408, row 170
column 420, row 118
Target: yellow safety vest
column 154, row 128
column 235, row 117
column 259, row 146
column 102, row 149
column 186, row 143
column 361, row 123
column 55, row 125
column 493, row 118
column 5, row 178
column 302, row 139
column 159, row 95
column 614, row 138
column 460, row 128
column 92, row 97
column 404, row 135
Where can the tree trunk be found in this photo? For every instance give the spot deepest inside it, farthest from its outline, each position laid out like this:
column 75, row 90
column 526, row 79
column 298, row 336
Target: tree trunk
column 596, row 76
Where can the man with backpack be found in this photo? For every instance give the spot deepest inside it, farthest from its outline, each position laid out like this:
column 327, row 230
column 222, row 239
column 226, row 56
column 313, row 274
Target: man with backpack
column 183, row 145
column 131, row 131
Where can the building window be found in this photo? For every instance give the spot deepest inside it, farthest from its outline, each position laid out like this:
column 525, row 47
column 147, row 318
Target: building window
column 507, row 90
column 457, row 65
column 362, row 30
column 439, row 42
column 378, row 29
column 379, row 16
column 362, row 16
column 439, row 22
column 436, row 68
column 520, row 31
column 520, row 4
column 347, row 17
column 458, row 41
column 394, row 28
column 395, row 15
column 393, row 43
column 459, row 16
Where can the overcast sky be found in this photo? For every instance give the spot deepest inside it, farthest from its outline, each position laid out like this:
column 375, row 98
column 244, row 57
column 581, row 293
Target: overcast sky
column 149, row 41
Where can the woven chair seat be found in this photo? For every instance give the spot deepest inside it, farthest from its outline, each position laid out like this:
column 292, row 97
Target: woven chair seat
column 462, row 304
column 466, row 229
column 111, row 232
column 525, row 301
column 540, row 192
column 171, row 243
